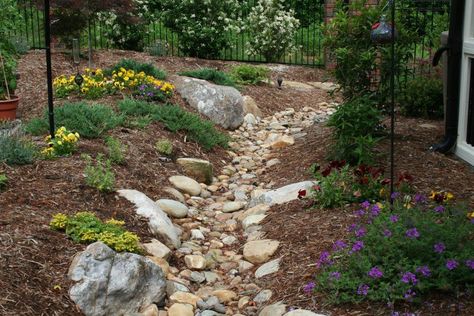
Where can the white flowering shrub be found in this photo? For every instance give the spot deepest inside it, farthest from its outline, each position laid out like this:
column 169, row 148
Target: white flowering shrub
column 202, row 25
column 272, row 29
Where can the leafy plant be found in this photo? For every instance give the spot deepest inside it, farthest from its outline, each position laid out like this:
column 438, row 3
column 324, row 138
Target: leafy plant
column 158, row 49
column 85, row 227
column 136, row 66
column 16, row 150
column 99, row 174
column 3, row 181
column 116, row 150
column 400, row 254
column 90, row 121
column 272, row 28
column 334, row 189
column 249, row 75
column 423, row 97
column 164, row 147
column 212, row 75
column 131, row 107
column 63, row 144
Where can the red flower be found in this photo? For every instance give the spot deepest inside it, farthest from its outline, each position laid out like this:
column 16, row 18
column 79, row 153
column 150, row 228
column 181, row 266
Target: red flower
column 317, row 188
column 376, row 25
column 301, row 194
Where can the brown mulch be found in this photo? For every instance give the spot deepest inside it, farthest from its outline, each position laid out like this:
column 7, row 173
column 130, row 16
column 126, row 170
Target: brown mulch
column 303, row 232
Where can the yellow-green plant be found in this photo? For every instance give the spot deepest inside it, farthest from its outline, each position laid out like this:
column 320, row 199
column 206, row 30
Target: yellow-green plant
column 116, row 150
column 3, row 180
column 99, row 174
column 64, row 143
column 164, row 147
column 85, row 227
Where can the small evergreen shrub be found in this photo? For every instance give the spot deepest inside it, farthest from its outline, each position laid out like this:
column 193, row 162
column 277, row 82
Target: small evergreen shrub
column 136, row 66
column 116, row 150
column 99, row 174
column 16, row 150
column 212, row 75
column 131, row 107
column 422, row 97
column 164, row 147
column 90, row 121
column 3, row 181
column 249, row 75
column 85, row 227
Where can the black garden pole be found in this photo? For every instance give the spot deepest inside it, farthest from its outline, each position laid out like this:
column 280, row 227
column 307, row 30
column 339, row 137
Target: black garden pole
column 392, row 107
column 47, row 40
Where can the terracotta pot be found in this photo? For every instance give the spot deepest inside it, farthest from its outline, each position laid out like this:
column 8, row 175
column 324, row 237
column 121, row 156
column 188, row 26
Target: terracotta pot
column 8, row 108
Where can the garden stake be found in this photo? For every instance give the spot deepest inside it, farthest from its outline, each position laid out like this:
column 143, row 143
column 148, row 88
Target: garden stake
column 47, row 40
column 392, row 108
column 4, row 75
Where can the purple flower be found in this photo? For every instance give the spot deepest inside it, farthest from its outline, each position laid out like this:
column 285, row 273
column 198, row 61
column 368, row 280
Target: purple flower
column 357, row 246
column 439, row 247
column 387, row 233
column 375, row 273
column 451, row 264
column 335, row 275
column 409, row 295
column 409, row 277
column 363, row 289
column 359, row 213
column 324, row 259
column 424, row 271
column 352, row 227
column 339, row 244
column 419, row 198
column 439, row 209
column 360, row 232
column 412, row 233
column 308, row 288
column 365, row 204
column 394, row 218
column 375, row 210
column 470, row 264
column 472, row 220
column 395, row 195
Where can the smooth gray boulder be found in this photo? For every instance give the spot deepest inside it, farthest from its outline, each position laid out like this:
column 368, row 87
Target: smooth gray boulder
column 158, row 220
column 221, row 104
column 111, row 283
column 281, row 195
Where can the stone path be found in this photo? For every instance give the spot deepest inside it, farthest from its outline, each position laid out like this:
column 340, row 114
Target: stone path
column 223, row 250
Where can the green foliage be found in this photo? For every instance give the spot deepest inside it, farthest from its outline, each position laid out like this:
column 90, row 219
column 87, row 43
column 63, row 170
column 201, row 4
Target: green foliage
column 131, row 64
column 332, row 190
column 63, row 144
column 116, row 150
column 423, row 97
column 164, row 147
column 85, row 227
column 202, row 26
column 355, row 127
column 400, row 254
column 212, row 75
column 7, row 72
column 20, row 45
column 158, row 49
column 90, row 121
column 131, row 107
column 248, row 74
column 3, row 181
column 16, row 150
column 99, row 174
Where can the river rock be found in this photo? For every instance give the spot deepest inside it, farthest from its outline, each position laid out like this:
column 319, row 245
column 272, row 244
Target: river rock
column 252, row 220
column 173, row 208
column 221, row 104
column 198, row 169
column 277, row 309
column 250, row 106
column 302, row 312
column 157, row 249
column 259, row 251
column 159, row 222
column 184, row 298
column 110, row 283
column 282, row 195
column 268, row 268
column 186, row 184
column 225, row 296
column 231, row 207
column 196, row 262
column 175, row 194
column 178, row 309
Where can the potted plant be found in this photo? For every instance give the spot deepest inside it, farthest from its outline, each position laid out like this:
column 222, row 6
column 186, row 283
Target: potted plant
column 8, row 99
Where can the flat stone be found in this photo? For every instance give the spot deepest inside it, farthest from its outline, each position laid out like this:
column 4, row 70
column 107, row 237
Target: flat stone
column 196, row 262
column 263, row 296
column 211, row 277
column 259, row 251
column 243, row 301
column 277, row 309
column 225, row 296
column 250, row 106
column 197, row 234
column 178, row 309
column 162, row 263
column 157, row 249
column 297, row 85
column 150, row 310
column 272, row 162
column 184, row 298
column 230, row 207
column 326, row 86
column 282, row 142
column 198, row 169
column 229, row 240
column 173, row 208
column 186, row 184
column 197, row 277
column 268, row 268
column 173, row 287
column 175, row 194
column 252, row 220
column 302, row 312
column 256, row 210
column 250, row 119
column 245, row 266
column 282, row 195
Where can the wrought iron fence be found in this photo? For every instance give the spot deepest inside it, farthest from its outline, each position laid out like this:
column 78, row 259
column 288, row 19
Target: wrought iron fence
column 430, row 17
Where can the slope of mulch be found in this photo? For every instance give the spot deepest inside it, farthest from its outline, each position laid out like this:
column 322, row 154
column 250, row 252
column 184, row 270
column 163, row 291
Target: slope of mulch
column 34, row 259
column 303, row 232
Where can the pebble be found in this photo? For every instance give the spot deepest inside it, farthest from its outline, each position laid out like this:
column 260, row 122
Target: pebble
column 195, row 262
column 230, row 207
column 178, row 309
column 268, row 268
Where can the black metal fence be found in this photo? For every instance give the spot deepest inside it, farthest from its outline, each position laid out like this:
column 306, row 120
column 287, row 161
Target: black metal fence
column 430, row 17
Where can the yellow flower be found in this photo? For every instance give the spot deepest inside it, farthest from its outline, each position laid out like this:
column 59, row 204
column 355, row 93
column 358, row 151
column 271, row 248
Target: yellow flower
column 60, row 143
column 470, row 215
column 125, row 78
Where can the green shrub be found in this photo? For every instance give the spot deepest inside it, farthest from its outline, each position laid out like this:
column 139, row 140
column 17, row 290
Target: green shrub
column 131, row 107
column 85, row 227
column 20, row 44
column 248, row 74
column 422, row 97
column 212, row 75
column 355, row 125
column 140, row 122
column 158, row 49
column 116, row 150
column 99, row 174
column 15, row 150
column 400, row 254
column 90, row 121
column 63, row 144
column 164, row 147
column 201, row 131
column 3, row 181
column 131, row 64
